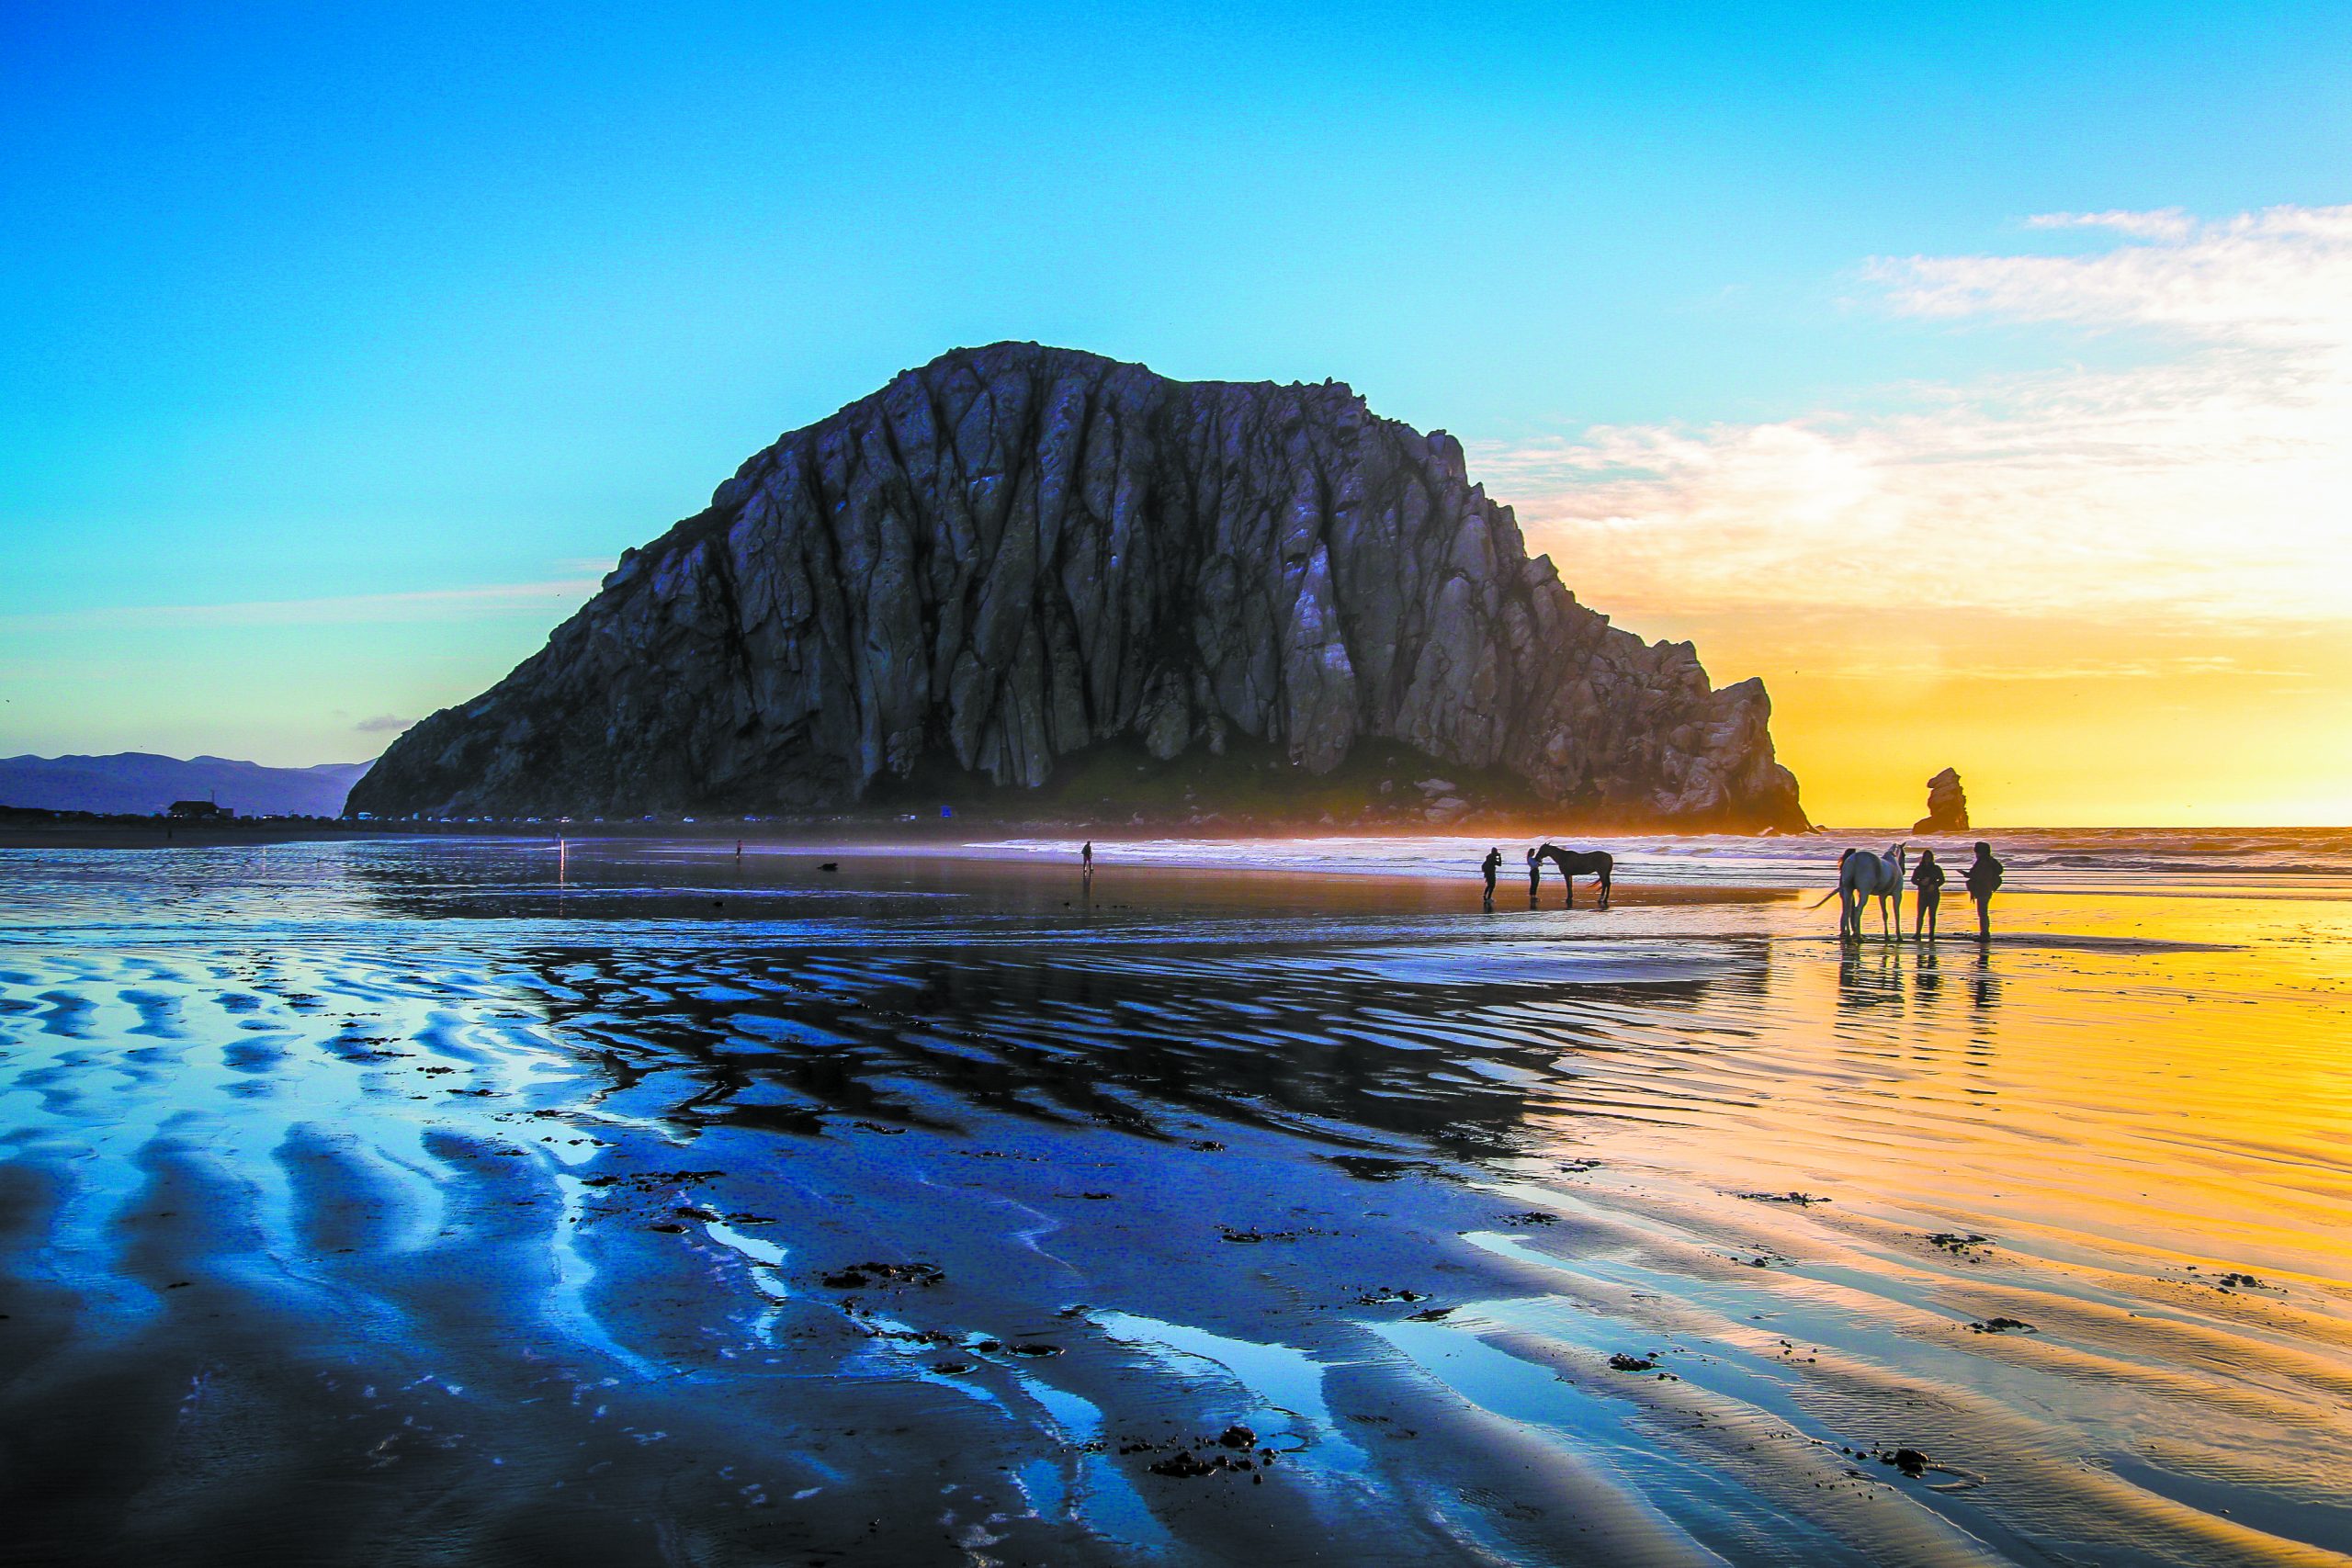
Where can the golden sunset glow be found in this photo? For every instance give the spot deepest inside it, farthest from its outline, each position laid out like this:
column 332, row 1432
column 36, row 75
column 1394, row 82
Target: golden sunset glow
column 2112, row 589
column 2052, row 721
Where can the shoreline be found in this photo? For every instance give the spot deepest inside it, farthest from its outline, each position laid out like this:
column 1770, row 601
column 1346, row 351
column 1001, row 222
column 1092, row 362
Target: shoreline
column 1429, row 871
column 20, row 830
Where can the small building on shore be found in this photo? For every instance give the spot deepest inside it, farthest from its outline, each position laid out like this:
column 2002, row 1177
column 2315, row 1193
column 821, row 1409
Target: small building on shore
column 200, row 812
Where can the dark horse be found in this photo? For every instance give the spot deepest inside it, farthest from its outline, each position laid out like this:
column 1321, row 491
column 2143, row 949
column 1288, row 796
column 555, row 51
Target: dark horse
column 1573, row 864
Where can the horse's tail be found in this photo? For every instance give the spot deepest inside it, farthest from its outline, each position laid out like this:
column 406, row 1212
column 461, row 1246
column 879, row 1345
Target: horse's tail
column 1833, row 893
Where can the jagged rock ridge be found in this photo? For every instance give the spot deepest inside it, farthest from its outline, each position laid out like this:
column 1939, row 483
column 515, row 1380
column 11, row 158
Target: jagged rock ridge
column 1017, row 553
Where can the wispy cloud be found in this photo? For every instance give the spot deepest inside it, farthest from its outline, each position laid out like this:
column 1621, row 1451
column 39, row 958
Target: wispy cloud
column 383, row 723
column 2208, row 479
column 2279, row 275
column 2171, row 223
column 547, row 598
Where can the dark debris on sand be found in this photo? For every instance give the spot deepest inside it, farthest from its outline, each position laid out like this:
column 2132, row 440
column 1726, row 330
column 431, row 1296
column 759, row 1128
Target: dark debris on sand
column 652, row 1181
column 1377, row 1168
column 858, row 1276
column 1252, row 1236
column 1228, row 1452
column 1907, row 1461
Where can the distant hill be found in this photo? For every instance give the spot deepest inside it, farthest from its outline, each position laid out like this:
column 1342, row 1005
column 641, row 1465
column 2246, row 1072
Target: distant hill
column 140, row 783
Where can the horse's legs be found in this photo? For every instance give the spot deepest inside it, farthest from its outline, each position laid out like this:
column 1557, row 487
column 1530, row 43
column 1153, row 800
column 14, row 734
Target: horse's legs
column 1571, row 880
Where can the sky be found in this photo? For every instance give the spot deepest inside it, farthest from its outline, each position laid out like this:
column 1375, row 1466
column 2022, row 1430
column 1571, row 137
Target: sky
column 1980, row 376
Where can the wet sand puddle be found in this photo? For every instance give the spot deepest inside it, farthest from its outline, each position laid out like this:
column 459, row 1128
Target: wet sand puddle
column 363, row 1208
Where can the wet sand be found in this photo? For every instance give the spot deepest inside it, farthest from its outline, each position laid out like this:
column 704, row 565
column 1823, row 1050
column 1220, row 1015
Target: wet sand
column 379, row 1202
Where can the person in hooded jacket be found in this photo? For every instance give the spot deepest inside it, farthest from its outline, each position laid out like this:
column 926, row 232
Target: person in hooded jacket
column 1984, row 879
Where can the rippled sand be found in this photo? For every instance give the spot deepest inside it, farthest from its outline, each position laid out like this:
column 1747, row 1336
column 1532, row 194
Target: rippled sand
column 377, row 1202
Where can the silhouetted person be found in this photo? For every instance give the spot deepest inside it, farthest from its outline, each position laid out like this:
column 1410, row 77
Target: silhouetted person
column 1534, row 877
column 1929, row 878
column 1086, row 861
column 1490, row 866
column 1983, row 878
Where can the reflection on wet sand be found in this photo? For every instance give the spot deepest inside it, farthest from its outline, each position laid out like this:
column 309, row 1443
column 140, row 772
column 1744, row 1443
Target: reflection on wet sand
column 641, row 1208
column 1984, row 986
column 1870, row 979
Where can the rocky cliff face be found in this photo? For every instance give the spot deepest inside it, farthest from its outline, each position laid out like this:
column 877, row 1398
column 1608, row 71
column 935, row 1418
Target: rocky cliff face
column 1946, row 805
column 1016, row 553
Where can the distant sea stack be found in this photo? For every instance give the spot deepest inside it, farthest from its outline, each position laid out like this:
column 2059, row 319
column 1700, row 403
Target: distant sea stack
column 1018, row 559
column 1946, row 805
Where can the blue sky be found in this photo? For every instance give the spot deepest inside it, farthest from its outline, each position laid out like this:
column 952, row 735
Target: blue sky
column 301, row 304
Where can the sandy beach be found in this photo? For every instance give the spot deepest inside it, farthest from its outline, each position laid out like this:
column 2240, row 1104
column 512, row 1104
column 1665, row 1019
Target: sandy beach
column 393, row 1201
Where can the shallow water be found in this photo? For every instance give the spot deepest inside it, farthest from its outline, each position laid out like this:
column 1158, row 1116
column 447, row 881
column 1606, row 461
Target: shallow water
column 389, row 1201
column 2302, row 862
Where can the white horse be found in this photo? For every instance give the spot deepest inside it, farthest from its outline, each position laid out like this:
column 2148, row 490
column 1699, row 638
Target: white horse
column 1862, row 876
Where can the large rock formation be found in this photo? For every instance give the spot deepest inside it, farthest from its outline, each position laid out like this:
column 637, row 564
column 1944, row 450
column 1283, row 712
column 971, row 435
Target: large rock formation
column 1017, row 553
column 1946, row 805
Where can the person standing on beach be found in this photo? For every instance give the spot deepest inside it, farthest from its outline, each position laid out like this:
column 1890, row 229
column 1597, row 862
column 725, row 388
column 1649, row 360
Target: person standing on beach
column 1929, row 878
column 1086, row 861
column 1984, row 878
column 1534, row 877
column 1490, row 866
